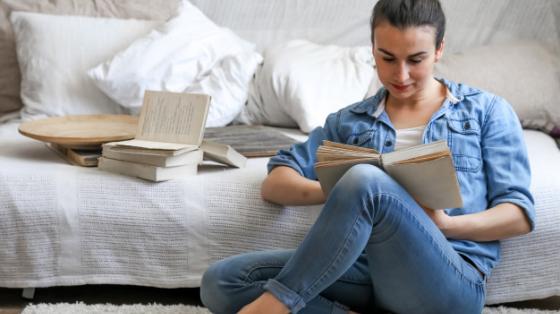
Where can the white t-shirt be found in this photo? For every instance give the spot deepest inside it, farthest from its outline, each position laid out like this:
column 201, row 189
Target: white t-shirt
column 409, row 137
column 405, row 137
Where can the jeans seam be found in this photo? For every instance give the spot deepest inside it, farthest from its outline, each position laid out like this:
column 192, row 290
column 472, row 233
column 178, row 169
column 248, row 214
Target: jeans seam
column 252, row 269
column 432, row 240
column 330, row 266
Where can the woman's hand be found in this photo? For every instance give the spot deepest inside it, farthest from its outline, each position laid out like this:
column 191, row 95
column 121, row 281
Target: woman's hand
column 439, row 217
column 499, row 222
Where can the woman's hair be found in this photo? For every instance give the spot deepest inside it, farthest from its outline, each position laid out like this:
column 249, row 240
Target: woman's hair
column 409, row 13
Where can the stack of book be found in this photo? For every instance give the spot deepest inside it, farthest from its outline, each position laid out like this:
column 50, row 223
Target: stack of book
column 150, row 164
column 168, row 142
column 160, row 165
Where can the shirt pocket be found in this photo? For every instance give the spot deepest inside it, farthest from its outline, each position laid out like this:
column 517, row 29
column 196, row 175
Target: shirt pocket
column 464, row 142
column 361, row 139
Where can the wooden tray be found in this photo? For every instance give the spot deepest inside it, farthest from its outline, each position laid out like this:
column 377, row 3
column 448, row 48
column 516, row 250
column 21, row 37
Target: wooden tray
column 82, row 131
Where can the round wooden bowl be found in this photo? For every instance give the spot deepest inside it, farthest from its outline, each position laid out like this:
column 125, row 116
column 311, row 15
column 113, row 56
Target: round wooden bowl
column 81, row 131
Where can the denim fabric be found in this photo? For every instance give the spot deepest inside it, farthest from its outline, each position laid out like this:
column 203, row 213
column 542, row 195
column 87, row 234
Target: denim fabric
column 372, row 248
column 485, row 138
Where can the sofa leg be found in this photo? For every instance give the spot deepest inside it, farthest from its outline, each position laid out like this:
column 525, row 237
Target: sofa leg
column 28, row 293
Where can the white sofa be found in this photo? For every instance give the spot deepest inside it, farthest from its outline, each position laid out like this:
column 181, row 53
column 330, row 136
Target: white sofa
column 64, row 225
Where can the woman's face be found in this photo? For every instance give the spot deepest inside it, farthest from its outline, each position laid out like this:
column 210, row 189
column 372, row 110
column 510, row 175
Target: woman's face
column 405, row 58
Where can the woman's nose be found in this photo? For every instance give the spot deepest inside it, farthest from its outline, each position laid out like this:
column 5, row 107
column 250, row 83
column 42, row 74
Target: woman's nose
column 401, row 72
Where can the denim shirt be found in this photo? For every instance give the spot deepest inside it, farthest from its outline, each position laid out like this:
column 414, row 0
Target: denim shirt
column 482, row 132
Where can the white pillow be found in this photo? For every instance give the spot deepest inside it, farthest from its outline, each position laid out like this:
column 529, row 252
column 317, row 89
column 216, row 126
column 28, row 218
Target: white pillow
column 170, row 58
column 54, row 53
column 228, row 84
column 300, row 83
column 526, row 74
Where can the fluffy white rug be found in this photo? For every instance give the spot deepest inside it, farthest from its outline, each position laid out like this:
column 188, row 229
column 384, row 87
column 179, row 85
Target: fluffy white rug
column 79, row 307
column 66, row 308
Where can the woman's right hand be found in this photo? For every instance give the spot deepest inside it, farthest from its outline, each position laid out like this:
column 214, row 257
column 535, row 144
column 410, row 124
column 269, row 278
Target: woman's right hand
column 285, row 186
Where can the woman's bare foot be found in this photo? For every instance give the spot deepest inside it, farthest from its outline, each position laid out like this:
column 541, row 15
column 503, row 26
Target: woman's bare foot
column 266, row 303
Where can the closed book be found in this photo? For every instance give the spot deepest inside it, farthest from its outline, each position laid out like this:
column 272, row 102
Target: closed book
column 147, row 172
column 148, row 157
column 425, row 171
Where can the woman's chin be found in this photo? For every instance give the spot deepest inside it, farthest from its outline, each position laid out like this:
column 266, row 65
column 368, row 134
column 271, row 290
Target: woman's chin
column 401, row 94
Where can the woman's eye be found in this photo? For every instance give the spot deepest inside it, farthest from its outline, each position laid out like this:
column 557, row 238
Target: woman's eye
column 415, row 61
column 388, row 59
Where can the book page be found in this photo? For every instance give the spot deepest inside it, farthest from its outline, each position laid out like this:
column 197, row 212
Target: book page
column 424, row 158
column 173, row 118
column 349, row 147
column 331, row 151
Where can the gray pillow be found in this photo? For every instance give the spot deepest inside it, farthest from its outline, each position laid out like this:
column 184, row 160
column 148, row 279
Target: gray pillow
column 10, row 77
column 527, row 74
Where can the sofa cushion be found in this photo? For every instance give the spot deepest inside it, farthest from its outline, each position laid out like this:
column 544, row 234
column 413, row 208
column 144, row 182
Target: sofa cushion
column 184, row 54
column 527, row 74
column 54, row 53
column 9, row 72
column 300, row 83
column 228, row 85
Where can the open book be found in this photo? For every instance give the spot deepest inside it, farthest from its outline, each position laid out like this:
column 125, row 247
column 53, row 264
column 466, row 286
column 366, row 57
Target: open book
column 223, row 153
column 426, row 171
column 170, row 121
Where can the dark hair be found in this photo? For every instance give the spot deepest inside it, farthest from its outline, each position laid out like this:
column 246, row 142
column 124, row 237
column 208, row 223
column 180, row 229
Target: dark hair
column 407, row 13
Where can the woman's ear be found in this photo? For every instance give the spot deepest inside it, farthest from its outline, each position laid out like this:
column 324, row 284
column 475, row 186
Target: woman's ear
column 439, row 50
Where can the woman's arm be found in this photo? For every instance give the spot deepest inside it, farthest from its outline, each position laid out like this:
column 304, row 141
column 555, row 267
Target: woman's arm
column 285, row 186
column 508, row 177
column 505, row 220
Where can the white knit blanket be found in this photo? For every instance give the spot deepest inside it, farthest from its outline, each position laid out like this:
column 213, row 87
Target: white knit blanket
column 66, row 225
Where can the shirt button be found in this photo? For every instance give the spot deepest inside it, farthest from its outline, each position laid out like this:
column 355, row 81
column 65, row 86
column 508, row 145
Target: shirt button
column 388, row 143
column 467, row 125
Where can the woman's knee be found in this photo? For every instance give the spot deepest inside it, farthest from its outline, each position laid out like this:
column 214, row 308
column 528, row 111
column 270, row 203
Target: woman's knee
column 229, row 284
column 363, row 178
column 214, row 293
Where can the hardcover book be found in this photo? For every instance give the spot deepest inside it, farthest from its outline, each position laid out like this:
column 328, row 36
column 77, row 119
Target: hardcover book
column 425, row 171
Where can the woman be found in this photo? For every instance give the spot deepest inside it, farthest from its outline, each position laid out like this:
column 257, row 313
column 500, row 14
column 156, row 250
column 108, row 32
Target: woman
column 373, row 247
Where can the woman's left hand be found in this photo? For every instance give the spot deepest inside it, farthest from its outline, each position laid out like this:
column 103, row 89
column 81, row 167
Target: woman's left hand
column 439, row 217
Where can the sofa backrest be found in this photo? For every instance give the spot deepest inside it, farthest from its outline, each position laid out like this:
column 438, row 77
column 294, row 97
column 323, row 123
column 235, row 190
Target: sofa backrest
column 346, row 22
column 471, row 23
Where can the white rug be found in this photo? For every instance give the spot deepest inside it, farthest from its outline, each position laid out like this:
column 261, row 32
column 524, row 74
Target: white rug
column 66, row 308
column 79, row 307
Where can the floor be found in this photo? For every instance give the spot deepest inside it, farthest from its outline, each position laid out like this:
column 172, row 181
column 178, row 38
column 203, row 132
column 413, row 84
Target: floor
column 11, row 301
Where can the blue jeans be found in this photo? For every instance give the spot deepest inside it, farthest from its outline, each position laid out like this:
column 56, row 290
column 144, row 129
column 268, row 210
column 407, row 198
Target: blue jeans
column 372, row 248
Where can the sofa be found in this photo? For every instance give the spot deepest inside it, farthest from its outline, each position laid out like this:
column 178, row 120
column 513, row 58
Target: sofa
column 286, row 64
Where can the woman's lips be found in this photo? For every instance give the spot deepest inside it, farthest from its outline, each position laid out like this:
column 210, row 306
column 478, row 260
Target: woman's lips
column 400, row 87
